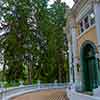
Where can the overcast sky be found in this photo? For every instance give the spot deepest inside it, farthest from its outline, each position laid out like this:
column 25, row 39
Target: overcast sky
column 68, row 2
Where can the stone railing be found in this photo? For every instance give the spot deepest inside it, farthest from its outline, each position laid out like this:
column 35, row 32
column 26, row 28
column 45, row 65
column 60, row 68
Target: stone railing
column 6, row 94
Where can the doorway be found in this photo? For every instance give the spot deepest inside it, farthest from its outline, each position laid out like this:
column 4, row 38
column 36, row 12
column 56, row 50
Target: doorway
column 89, row 66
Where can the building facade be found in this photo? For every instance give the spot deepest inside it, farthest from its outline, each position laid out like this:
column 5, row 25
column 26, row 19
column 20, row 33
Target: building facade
column 84, row 44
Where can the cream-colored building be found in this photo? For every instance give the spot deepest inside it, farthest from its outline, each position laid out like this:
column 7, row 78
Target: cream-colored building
column 84, row 44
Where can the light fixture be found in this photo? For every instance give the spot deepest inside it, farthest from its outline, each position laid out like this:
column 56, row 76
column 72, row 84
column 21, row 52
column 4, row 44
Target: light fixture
column 92, row 15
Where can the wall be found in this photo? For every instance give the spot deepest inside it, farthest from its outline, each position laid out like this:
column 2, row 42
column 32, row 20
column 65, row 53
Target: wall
column 88, row 35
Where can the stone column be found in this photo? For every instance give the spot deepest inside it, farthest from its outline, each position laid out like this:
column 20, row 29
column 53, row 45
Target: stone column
column 74, row 50
column 97, row 19
column 70, row 62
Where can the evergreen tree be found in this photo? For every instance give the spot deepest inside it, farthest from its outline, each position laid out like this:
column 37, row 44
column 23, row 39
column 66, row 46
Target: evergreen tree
column 33, row 39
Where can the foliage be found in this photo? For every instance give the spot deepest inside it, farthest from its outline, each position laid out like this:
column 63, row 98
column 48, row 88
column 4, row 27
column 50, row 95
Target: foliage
column 33, row 40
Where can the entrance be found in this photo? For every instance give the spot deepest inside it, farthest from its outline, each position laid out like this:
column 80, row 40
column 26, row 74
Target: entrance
column 89, row 66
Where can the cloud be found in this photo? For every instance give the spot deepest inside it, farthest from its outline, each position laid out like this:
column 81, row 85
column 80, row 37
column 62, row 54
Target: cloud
column 51, row 2
column 68, row 2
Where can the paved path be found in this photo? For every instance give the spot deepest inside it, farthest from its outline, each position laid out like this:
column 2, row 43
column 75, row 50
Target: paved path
column 44, row 95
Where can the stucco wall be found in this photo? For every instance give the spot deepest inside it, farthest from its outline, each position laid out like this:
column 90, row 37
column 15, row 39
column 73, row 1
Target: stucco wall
column 88, row 35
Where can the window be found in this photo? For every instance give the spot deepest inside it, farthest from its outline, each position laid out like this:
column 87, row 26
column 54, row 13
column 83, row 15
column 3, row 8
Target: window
column 81, row 26
column 86, row 22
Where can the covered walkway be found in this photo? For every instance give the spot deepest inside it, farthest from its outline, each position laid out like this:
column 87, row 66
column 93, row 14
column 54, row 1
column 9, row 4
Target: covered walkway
column 51, row 94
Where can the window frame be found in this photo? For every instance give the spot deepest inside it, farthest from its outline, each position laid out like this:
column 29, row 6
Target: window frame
column 89, row 21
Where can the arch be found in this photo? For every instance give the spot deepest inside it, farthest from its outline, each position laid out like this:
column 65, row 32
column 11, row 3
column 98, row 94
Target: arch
column 88, row 42
column 88, row 65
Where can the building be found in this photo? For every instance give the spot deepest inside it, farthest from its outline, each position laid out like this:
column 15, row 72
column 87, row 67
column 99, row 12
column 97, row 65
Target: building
column 84, row 44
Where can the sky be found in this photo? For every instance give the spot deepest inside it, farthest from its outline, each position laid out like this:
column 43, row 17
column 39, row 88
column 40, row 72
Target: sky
column 68, row 2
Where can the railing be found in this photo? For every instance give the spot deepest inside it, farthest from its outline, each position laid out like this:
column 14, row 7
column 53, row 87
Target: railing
column 6, row 94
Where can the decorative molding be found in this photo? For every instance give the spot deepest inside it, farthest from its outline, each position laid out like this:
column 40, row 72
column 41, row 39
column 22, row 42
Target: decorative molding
column 97, row 1
column 86, row 31
column 87, row 7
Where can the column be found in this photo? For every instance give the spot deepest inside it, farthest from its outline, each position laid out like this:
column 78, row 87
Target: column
column 70, row 61
column 97, row 19
column 74, row 49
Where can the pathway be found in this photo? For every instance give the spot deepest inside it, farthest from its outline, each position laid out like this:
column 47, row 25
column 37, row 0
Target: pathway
column 53, row 94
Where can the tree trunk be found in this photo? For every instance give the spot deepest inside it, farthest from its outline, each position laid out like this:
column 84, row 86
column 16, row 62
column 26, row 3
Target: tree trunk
column 30, row 74
column 59, row 74
column 61, row 66
column 4, row 69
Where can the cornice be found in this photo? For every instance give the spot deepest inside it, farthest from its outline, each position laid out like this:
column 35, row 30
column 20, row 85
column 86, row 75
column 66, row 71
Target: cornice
column 80, row 6
column 97, row 1
column 77, row 6
column 81, row 3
